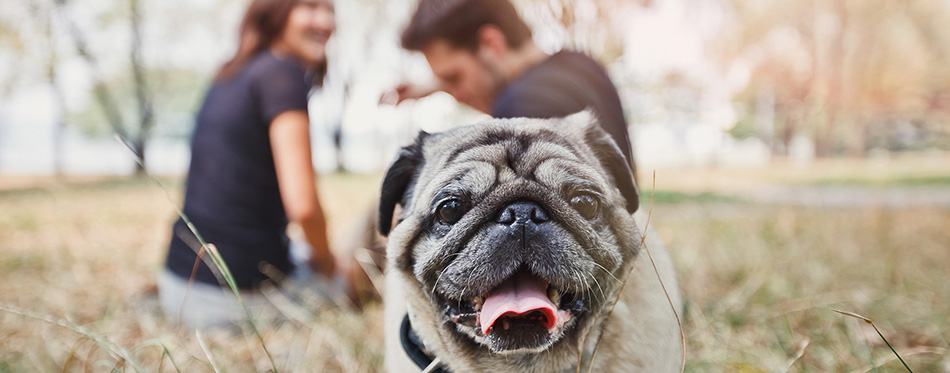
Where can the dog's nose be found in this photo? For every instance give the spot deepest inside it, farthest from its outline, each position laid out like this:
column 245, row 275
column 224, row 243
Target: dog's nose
column 523, row 212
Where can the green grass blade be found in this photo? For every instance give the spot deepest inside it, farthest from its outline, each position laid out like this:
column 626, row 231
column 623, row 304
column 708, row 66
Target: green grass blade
column 215, row 256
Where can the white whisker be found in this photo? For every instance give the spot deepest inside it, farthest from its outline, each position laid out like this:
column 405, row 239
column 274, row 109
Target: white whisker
column 603, row 296
column 436, row 284
column 608, row 272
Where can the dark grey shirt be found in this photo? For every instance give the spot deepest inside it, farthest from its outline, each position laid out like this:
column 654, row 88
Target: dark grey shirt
column 232, row 195
column 564, row 84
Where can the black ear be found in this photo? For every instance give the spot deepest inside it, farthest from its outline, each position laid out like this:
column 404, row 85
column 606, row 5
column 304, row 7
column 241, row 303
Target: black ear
column 613, row 161
column 398, row 182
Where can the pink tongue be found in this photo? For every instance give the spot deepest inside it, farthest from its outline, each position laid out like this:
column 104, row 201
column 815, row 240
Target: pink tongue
column 519, row 295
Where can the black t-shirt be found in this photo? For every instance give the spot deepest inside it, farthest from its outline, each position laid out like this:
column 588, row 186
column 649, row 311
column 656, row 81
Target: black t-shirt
column 564, row 84
column 232, row 195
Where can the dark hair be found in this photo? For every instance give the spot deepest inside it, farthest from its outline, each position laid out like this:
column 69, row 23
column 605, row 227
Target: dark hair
column 263, row 23
column 458, row 21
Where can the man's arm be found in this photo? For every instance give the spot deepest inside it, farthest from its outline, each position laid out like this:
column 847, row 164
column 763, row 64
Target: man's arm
column 409, row 91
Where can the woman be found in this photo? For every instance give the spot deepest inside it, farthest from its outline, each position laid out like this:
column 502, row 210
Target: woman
column 251, row 171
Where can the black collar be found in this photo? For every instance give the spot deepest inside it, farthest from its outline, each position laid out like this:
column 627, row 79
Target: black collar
column 413, row 347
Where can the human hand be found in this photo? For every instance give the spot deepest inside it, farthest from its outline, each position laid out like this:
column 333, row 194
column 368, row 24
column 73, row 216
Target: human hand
column 407, row 91
column 326, row 266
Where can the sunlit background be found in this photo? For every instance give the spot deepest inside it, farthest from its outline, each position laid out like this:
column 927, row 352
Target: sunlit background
column 703, row 83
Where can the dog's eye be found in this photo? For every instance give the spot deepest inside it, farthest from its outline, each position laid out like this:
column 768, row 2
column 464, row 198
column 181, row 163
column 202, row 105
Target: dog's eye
column 451, row 211
column 585, row 204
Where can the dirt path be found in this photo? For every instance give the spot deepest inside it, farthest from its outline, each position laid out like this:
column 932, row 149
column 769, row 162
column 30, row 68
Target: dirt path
column 852, row 196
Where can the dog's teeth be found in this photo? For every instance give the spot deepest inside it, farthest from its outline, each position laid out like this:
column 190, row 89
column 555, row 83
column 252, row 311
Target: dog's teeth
column 554, row 295
column 477, row 302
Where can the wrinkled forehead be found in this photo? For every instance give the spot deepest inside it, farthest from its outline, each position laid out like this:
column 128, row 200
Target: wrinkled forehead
column 482, row 163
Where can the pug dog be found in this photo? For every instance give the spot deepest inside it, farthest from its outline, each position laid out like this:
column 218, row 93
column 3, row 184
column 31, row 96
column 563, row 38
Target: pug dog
column 512, row 241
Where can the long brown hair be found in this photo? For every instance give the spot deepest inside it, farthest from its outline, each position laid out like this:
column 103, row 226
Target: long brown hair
column 263, row 23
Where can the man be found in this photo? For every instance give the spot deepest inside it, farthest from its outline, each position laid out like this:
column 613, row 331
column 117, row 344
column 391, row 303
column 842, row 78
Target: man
column 481, row 53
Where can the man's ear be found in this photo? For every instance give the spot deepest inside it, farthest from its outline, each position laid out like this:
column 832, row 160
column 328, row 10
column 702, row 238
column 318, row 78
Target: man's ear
column 491, row 40
column 397, row 185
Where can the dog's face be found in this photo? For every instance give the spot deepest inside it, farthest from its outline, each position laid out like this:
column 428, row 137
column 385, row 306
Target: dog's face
column 513, row 232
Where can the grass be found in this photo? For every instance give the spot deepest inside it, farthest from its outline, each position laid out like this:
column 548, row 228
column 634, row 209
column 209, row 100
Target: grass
column 885, row 182
column 761, row 283
column 900, row 170
column 89, row 261
column 665, row 197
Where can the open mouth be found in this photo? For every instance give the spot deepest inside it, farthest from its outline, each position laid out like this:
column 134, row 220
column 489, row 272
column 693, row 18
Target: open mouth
column 523, row 312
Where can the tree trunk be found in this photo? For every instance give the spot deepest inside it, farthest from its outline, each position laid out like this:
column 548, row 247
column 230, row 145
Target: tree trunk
column 104, row 96
column 59, row 101
column 825, row 139
column 146, row 119
column 765, row 116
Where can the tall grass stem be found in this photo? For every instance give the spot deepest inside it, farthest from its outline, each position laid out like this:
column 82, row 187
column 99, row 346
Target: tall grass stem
column 210, row 248
column 113, row 349
column 867, row 320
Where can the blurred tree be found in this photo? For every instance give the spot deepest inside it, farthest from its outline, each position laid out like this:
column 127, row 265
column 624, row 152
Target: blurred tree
column 59, row 99
column 27, row 46
column 11, row 47
column 142, row 93
column 9, row 40
column 136, row 135
column 590, row 26
column 843, row 72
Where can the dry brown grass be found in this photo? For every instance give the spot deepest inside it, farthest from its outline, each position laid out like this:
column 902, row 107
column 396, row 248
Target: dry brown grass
column 760, row 281
column 899, row 169
column 87, row 254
